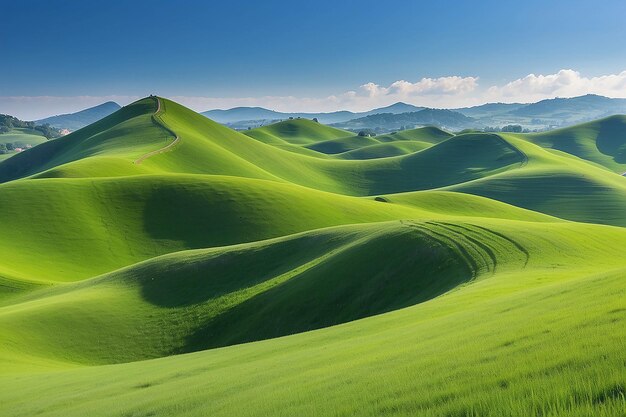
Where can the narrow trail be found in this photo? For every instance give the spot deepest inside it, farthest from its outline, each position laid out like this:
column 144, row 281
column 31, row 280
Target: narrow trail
column 158, row 121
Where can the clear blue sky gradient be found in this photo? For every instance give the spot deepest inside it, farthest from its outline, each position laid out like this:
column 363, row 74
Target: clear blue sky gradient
column 232, row 48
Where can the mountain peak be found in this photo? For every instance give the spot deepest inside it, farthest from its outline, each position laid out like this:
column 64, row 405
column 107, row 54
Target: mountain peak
column 399, row 107
column 82, row 118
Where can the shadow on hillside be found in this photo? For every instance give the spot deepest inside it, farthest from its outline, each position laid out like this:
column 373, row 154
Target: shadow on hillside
column 390, row 272
column 610, row 140
column 209, row 275
column 459, row 159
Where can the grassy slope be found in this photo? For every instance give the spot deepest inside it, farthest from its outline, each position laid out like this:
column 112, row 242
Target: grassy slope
column 429, row 134
column 335, row 146
column 544, row 340
column 514, row 317
column 385, row 150
column 214, row 297
column 410, row 172
column 601, row 141
column 209, row 148
column 23, row 137
column 556, row 183
column 123, row 135
column 111, row 222
column 296, row 131
column 358, row 147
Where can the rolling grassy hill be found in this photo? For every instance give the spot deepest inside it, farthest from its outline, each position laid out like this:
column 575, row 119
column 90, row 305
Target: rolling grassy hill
column 394, row 144
column 20, row 138
column 384, row 150
column 556, row 182
column 297, row 132
column 106, row 147
column 601, row 141
column 159, row 263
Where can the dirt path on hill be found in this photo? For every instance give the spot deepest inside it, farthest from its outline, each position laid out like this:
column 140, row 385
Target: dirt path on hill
column 159, row 122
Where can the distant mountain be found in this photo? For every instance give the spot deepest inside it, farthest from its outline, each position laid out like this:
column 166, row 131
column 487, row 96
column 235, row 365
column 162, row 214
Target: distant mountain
column 489, row 109
column 258, row 115
column 78, row 120
column 386, row 122
column 590, row 105
column 545, row 114
column 396, row 108
column 242, row 117
column 238, row 114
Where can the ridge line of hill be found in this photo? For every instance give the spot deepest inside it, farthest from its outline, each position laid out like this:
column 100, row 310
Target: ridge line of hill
column 522, row 154
column 160, row 123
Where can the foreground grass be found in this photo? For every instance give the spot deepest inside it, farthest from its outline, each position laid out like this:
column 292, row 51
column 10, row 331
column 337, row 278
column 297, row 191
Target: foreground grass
column 520, row 345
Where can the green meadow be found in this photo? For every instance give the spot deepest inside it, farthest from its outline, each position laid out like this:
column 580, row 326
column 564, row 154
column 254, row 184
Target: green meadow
column 19, row 138
column 157, row 263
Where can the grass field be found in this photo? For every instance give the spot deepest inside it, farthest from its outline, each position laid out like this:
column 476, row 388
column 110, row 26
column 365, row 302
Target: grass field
column 20, row 138
column 157, row 263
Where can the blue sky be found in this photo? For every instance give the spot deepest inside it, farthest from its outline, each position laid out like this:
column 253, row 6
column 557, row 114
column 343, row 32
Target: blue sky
column 314, row 55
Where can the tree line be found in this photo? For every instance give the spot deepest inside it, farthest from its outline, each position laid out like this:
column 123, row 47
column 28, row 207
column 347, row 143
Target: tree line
column 9, row 122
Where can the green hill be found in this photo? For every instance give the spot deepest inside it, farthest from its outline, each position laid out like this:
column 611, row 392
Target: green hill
column 296, row 131
column 334, row 146
column 601, row 141
column 157, row 263
column 557, row 184
column 209, row 148
column 21, row 137
column 217, row 297
column 125, row 134
column 429, row 134
column 515, row 312
column 16, row 135
column 393, row 144
column 385, row 150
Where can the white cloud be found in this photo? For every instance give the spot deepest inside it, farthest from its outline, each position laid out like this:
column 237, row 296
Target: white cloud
column 453, row 85
column 565, row 83
column 446, row 92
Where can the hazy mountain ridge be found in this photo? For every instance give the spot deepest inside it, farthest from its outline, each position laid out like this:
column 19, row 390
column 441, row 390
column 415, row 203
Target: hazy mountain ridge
column 80, row 119
column 542, row 115
column 257, row 115
column 427, row 117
